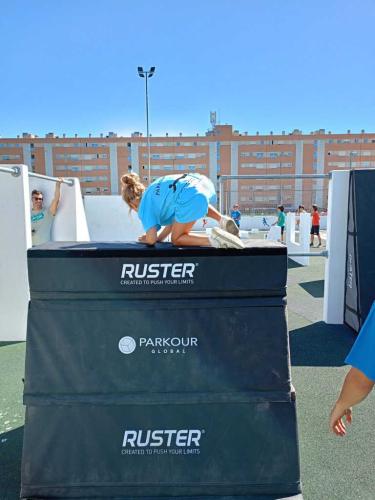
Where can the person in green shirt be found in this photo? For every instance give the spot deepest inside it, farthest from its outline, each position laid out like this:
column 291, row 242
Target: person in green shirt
column 280, row 221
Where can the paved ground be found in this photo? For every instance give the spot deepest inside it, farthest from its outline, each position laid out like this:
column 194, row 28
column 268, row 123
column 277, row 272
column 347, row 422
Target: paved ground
column 332, row 467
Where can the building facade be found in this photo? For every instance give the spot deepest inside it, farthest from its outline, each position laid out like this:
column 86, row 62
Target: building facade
column 100, row 162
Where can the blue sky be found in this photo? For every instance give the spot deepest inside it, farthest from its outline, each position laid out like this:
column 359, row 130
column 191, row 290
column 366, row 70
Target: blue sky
column 70, row 66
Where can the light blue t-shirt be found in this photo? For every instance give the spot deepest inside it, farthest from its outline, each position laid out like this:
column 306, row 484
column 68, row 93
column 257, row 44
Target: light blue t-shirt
column 362, row 354
column 158, row 201
column 176, row 198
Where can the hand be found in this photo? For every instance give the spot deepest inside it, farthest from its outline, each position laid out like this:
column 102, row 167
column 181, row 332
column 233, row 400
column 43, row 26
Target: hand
column 336, row 422
column 142, row 239
column 60, row 180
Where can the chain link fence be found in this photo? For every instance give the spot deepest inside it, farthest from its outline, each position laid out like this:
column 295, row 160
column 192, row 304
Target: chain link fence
column 262, row 197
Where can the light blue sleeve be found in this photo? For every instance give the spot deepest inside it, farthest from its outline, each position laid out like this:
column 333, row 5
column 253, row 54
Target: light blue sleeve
column 362, row 354
column 147, row 215
column 149, row 220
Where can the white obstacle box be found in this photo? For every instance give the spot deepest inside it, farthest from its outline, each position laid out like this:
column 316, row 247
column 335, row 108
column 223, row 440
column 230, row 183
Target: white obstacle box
column 15, row 206
column 303, row 244
column 248, row 222
column 15, row 239
column 335, row 271
column 70, row 222
column 274, row 233
column 109, row 219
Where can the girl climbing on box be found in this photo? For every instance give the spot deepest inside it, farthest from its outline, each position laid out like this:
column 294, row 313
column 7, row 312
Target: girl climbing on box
column 177, row 202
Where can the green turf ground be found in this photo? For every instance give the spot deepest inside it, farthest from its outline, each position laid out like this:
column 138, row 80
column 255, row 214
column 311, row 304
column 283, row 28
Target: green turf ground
column 332, row 468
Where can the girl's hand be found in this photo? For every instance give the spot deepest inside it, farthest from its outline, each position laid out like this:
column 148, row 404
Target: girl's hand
column 148, row 238
column 336, row 421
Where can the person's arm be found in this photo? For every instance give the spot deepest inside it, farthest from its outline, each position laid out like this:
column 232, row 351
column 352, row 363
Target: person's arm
column 355, row 389
column 56, row 198
column 150, row 237
column 164, row 233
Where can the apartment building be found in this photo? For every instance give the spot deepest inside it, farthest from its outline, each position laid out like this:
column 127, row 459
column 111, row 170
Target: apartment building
column 99, row 162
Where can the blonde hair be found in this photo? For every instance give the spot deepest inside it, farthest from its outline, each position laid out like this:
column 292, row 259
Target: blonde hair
column 131, row 188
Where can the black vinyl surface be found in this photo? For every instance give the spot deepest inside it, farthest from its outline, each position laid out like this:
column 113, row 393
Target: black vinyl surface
column 101, row 249
column 158, row 386
column 136, row 271
column 360, row 251
column 242, row 448
column 189, row 346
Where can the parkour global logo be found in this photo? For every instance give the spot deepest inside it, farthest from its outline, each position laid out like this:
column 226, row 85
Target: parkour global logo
column 158, row 345
column 127, row 345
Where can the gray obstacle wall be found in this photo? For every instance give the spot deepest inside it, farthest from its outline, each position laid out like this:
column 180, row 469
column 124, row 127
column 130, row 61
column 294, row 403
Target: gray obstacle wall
column 158, row 372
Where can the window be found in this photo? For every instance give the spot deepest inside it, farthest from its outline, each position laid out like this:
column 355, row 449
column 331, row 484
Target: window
column 267, row 165
column 80, row 145
column 79, row 157
column 9, row 145
column 10, row 157
column 159, row 144
column 171, row 156
column 352, row 153
column 263, row 154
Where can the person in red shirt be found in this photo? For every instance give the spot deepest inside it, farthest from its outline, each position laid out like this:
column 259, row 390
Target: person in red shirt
column 315, row 223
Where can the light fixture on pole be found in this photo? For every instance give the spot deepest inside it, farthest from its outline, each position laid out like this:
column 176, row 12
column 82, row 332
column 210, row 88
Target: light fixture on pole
column 147, row 74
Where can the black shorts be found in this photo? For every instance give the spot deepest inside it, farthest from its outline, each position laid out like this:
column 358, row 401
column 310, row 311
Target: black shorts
column 282, row 230
column 315, row 230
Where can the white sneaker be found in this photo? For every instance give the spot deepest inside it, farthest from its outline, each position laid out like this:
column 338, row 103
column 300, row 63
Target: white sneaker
column 222, row 239
column 229, row 225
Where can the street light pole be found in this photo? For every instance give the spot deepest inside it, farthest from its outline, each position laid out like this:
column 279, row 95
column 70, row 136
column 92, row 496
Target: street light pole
column 147, row 74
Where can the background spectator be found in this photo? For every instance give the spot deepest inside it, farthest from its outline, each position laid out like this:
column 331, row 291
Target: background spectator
column 236, row 214
column 315, row 225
